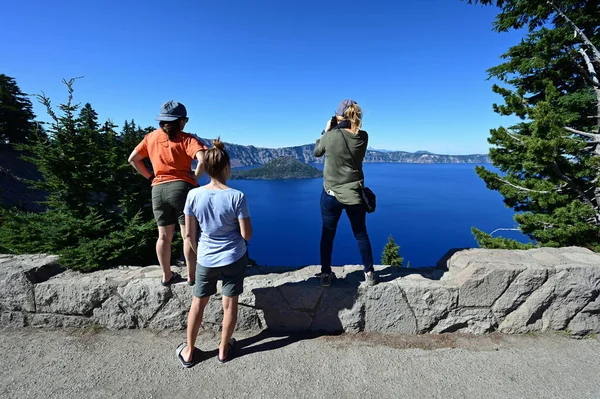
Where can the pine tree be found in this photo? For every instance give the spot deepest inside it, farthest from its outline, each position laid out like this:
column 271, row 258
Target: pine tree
column 550, row 161
column 16, row 115
column 391, row 254
column 98, row 208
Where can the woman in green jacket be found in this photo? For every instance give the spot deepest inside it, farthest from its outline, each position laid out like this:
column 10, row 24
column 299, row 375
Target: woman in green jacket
column 345, row 145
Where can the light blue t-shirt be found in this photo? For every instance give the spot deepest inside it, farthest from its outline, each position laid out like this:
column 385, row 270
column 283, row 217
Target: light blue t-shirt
column 218, row 212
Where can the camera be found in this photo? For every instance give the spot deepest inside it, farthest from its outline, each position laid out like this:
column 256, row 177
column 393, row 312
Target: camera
column 333, row 122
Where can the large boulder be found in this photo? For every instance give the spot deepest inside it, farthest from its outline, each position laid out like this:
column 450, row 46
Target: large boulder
column 430, row 300
column 387, row 310
column 19, row 274
column 588, row 320
column 467, row 320
column 71, row 293
column 115, row 314
column 145, row 296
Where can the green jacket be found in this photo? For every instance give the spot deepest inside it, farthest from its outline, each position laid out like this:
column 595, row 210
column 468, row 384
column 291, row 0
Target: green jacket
column 339, row 174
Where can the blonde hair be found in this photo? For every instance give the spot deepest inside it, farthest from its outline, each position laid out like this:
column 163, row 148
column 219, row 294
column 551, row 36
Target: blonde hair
column 353, row 113
column 216, row 159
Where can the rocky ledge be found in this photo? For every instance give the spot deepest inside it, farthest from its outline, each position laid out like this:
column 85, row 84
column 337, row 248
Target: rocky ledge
column 473, row 291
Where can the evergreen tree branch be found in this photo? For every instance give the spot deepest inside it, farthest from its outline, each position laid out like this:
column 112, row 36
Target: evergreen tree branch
column 586, row 199
column 69, row 84
column 594, row 136
column 45, row 101
column 591, row 72
column 515, row 137
column 586, row 41
column 522, row 188
column 504, row 229
column 586, row 75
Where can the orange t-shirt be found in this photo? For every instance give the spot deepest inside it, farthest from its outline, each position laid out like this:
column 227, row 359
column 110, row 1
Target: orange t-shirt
column 171, row 159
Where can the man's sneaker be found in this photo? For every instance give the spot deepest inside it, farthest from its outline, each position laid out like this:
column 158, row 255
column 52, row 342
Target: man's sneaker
column 325, row 279
column 370, row 279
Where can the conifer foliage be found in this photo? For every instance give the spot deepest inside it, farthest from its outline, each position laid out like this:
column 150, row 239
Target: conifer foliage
column 98, row 210
column 550, row 161
column 16, row 115
column 391, row 254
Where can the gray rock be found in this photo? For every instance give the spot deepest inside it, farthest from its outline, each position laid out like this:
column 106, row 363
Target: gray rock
column 575, row 288
column 213, row 313
column 119, row 277
column 339, row 310
column 19, row 273
column 184, row 294
column 145, row 296
column 286, row 320
column 268, row 297
column 519, row 290
column 591, row 259
column 567, row 291
column 464, row 259
column 13, row 319
column 588, row 320
column 301, row 295
column 386, row 309
column 471, row 321
column 58, row 320
column 547, row 256
column 71, row 293
column 536, row 290
column 480, row 285
column 172, row 316
column 116, row 314
column 250, row 284
column 429, row 300
column 248, row 319
column 16, row 290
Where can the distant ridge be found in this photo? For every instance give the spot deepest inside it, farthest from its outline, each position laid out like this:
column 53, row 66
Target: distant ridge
column 249, row 155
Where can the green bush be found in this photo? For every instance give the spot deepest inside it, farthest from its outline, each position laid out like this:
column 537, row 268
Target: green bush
column 84, row 244
column 391, row 254
column 487, row 241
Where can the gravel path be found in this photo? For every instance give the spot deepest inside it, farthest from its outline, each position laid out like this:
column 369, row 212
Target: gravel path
column 142, row 364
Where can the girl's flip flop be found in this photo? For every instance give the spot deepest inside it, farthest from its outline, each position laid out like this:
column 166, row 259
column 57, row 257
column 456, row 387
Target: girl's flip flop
column 229, row 354
column 178, row 351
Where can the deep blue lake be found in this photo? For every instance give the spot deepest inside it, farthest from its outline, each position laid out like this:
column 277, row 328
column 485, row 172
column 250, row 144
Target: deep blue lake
column 429, row 209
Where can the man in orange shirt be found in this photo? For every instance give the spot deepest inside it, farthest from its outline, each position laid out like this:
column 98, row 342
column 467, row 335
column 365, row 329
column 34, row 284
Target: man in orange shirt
column 171, row 152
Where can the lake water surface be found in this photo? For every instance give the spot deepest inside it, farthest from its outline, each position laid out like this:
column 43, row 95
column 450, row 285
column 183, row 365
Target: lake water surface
column 429, row 209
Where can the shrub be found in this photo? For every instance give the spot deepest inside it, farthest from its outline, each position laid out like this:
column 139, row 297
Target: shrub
column 391, row 254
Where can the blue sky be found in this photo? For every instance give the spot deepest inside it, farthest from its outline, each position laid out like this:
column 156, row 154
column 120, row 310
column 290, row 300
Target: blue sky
column 270, row 73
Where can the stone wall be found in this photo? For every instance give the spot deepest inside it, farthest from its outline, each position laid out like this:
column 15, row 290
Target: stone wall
column 474, row 291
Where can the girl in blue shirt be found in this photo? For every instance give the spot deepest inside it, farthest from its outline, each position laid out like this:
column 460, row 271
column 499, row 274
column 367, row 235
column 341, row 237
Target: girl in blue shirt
column 217, row 228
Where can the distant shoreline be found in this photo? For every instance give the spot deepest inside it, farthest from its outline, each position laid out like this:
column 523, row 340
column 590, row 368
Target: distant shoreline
column 248, row 155
column 247, row 167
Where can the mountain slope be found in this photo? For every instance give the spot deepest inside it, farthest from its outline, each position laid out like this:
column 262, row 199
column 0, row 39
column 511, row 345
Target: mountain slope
column 242, row 155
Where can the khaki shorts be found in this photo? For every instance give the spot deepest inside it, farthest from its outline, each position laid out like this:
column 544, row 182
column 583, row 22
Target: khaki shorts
column 168, row 200
column 232, row 275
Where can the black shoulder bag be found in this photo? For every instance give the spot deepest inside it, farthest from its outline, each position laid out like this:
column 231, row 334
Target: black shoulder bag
column 368, row 196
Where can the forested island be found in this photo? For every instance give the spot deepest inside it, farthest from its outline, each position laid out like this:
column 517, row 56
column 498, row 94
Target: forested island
column 279, row 168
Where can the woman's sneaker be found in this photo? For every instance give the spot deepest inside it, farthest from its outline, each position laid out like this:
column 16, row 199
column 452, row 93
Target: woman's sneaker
column 370, row 279
column 326, row 279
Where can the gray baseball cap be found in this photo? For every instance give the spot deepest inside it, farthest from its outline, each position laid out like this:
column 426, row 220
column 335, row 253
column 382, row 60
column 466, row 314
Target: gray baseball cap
column 344, row 104
column 171, row 111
